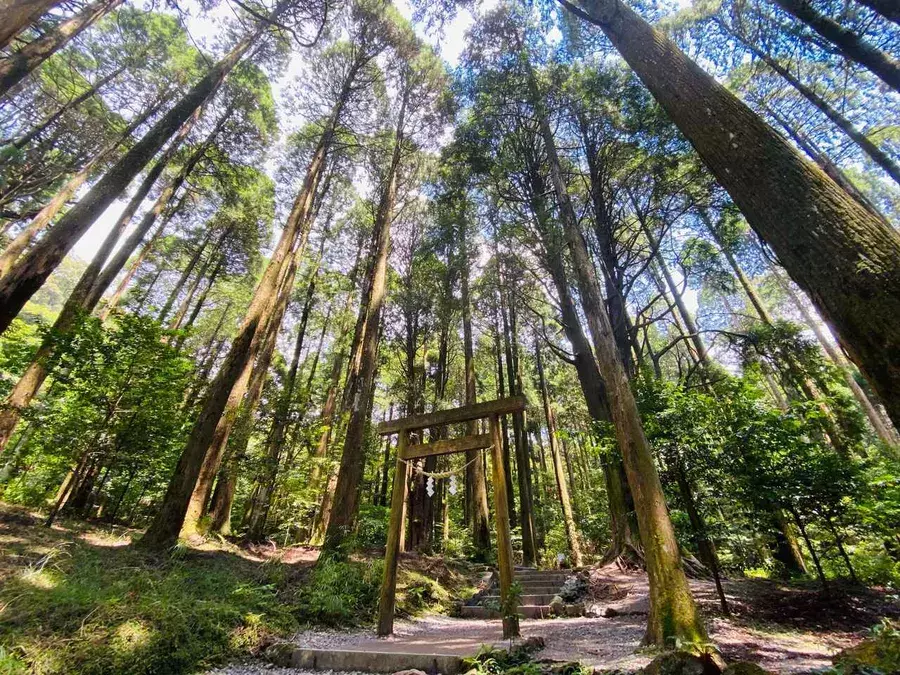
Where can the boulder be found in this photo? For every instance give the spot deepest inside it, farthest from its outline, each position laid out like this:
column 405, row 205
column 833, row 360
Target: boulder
column 411, row 671
column 557, row 606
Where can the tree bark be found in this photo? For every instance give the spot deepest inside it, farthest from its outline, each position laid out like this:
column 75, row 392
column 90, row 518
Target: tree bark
column 558, row 472
column 850, row 45
column 88, row 93
column 167, row 525
column 20, row 63
column 237, row 414
column 673, row 614
column 345, row 505
column 30, row 272
column 819, row 233
column 262, row 502
column 19, row 14
column 46, row 215
column 475, row 476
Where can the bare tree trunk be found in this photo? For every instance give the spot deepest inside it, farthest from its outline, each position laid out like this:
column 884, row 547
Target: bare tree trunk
column 182, row 280
column 88, row 93
column 345, row 506
column 241, row 406
column 480, row 517
column 882, row 427
column 46, row 215
column 259, row 509
column 222, row 392
column 562, row 489
column 504, row 428
column 526, row 503
column 19, row 14
column 20, row 63
column 819, row 233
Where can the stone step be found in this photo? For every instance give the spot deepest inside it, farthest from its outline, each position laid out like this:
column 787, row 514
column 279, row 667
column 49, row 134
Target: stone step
column 525, row 611
column 540, row 589
column 544, row 578
column 539, row 599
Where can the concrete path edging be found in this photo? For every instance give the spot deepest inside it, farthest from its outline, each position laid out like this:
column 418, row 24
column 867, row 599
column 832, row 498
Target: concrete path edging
column 290, row 656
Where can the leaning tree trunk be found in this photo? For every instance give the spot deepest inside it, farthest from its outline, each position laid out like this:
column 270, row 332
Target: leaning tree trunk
column 165, row 528
column 30, row 272
column 260, row 504
column 46, row 215
column 673, row 614
column 88, row 93
column 876, row 154
column 837, row 251
column 851, row 45
column 889, row 9
column 19, row 14
column 220, row 506
column 80, row 300
column 15, row 67
column 526, row 503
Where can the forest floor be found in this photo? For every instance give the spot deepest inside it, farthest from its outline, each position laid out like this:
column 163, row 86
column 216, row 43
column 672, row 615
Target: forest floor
column 783, row 628
column 78, row 598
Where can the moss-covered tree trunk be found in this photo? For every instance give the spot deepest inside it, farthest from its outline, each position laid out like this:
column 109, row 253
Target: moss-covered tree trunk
column 673, row 614
column 846, row 258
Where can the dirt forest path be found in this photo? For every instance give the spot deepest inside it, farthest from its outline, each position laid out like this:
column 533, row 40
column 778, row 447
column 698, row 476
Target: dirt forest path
column 786, row 629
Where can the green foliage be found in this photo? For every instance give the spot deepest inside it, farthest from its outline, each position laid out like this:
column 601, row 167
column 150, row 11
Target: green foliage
column 371, row 527
column 118, row 391
column 340, row 593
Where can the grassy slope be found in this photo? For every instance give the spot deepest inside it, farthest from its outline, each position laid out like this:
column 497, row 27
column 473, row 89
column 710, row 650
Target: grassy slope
column 79, row 599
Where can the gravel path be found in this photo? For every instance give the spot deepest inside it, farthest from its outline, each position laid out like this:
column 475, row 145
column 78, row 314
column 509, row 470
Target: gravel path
column 800, row 639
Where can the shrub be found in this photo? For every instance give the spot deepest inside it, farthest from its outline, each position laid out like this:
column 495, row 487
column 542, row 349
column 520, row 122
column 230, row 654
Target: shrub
column 341, row 593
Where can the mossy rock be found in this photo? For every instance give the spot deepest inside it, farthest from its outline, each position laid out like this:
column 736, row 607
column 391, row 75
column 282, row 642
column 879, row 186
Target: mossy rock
column 685, row 663
column 745, row 668
column 873, row 656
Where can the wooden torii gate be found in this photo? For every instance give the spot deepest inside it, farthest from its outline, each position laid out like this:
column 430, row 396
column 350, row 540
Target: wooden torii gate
column 492, row 410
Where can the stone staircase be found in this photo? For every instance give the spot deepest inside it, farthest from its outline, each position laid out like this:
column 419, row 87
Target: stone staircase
column 539, row 588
